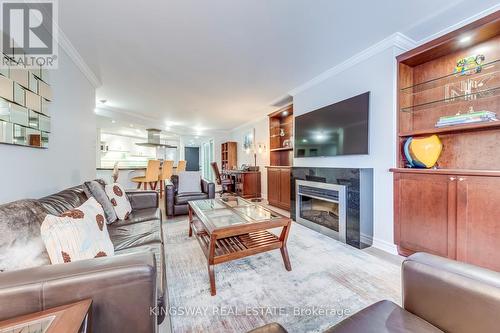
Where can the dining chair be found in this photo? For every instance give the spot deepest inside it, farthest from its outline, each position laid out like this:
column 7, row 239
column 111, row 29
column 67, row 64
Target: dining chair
column 181, row 166
column 167, row 169
column 151, row 176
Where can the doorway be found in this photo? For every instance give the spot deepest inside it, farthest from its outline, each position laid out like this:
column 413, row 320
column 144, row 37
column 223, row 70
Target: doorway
column 207, row 157
column 192, row 156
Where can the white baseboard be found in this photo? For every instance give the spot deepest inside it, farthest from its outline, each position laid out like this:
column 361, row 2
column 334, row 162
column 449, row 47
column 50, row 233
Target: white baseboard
column 385, row 246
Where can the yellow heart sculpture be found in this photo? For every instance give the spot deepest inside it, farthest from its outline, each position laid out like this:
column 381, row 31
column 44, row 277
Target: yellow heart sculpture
column 426, row 150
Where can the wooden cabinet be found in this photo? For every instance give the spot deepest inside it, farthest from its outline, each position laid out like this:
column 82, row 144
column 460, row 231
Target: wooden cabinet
column 280, row 158
column 478, row 221
column 425, row 213
column 451, row 209
column 454, row 216
column 278, row 187
column 273, row 186
column 246, row 183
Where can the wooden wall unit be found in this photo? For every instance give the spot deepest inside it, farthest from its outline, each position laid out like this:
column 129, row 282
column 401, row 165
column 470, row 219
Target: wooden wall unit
column 281, row 157
column 452, row 210
column 246, row 183
column 229, row 157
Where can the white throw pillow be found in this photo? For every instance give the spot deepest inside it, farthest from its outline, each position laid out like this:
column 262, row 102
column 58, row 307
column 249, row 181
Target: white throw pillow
column 119, row 200
column 77, row 234
column 189, row 181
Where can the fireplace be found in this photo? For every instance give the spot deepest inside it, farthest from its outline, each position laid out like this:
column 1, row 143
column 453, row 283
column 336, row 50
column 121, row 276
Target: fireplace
column 322, row 206
column 337, row 202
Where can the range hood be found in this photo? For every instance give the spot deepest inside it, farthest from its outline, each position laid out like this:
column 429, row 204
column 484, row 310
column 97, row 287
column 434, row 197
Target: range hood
column 154, row 139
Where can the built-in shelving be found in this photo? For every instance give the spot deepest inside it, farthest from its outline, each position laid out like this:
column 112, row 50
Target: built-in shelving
column 453, row 129
column 280, row 157
column 282, row 149
column 488, row 93
column 229, row 155
column 464, row 172
column 451, row 209
column 478, row 72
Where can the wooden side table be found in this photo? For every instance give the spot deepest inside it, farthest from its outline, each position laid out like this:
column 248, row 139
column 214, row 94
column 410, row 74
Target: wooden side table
column 70, row 318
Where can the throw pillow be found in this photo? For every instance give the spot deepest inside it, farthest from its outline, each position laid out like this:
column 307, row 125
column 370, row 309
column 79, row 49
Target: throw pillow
column 189, row 181
column 119, row 200
column 77, row 234
column 96, row 190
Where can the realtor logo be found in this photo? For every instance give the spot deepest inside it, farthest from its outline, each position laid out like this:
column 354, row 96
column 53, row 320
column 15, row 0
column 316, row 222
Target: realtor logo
column 29, row 33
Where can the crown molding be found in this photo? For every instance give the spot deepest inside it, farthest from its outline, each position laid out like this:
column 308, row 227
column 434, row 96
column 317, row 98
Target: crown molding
column 73, row 54
column 397, row 39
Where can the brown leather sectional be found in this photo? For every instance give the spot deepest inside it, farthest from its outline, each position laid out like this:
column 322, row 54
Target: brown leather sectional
column 439, row 295
column 127, row 289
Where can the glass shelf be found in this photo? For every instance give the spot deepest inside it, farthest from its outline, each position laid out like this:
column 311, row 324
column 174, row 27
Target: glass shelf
column 482, row 94
column 487, row 69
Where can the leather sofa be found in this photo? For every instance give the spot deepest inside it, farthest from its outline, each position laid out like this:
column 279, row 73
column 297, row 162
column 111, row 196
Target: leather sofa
column 127, row 289
column 439, row 295
column 177, row 203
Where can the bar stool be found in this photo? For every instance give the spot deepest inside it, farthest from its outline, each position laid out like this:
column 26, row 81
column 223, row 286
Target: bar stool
column 151, row 177
column 167, row 169
column 181, row 166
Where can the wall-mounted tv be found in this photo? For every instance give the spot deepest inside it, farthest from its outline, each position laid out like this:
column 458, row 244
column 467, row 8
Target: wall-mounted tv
column 333, row 130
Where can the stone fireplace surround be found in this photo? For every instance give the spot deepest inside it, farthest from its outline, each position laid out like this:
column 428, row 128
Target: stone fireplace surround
column 359, row 199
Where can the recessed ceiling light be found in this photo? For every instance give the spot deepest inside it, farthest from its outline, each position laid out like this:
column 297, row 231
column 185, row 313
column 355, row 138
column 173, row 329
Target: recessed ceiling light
column 131, row 125
column 113, row 121
column 464, row 39
column 284, row 113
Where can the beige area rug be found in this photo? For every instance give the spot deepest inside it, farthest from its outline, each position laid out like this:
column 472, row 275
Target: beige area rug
column 329, row 280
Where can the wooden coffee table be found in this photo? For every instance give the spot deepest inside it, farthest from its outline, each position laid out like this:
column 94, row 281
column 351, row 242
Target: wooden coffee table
column 233, row 229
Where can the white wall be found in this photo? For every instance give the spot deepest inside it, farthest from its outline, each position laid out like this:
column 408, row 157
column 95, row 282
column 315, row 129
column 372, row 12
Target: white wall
column 377, row 75
column 261, row 126
column 70, row 159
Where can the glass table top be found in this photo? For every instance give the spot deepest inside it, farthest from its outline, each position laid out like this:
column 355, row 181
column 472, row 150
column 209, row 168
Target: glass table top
column 222, row 213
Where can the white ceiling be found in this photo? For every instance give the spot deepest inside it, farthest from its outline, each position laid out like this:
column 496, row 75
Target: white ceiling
column 213, row 65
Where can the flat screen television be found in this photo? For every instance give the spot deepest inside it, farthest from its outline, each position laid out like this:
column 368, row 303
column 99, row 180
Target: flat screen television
column 333, row 130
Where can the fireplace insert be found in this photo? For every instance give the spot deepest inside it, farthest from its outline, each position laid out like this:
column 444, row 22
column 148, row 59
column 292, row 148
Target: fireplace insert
column 322, row 206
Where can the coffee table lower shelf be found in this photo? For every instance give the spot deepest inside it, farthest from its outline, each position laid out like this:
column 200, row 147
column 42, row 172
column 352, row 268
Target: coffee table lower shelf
column 238, row 246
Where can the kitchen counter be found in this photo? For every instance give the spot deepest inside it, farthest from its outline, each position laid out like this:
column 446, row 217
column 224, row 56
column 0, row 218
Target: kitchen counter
column 123, row 168
column 125, row 175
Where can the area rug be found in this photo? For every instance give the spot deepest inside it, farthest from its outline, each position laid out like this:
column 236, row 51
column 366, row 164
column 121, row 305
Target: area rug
column 328, row 282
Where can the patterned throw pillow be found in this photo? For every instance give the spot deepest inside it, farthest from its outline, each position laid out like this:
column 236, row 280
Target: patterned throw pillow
column 95, row 189
column 77, row 234
column 119, row 200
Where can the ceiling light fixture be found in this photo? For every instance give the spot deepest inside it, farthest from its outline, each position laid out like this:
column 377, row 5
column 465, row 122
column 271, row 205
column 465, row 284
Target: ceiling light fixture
column 113, row 121
column 103, row 101
column 284, row 113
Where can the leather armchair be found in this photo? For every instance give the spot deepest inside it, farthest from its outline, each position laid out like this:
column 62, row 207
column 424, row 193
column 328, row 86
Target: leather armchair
column 122, row 286
column 177, row 203
column 439, row 295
